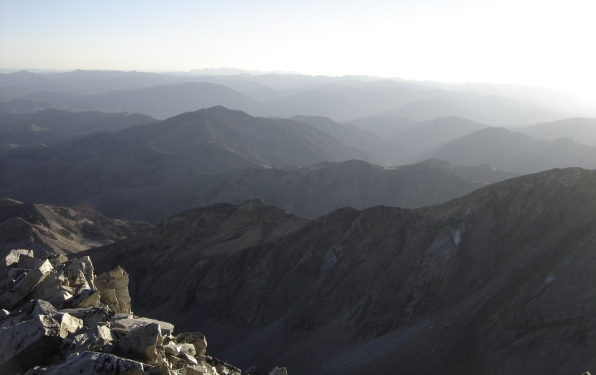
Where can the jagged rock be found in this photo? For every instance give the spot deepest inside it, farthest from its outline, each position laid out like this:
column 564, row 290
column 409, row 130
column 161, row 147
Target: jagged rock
column 58, row 259
column 172, row 349
column 127, row 322
column 41, row 307
column 188, row 358
column 279, row 371
column 90, row 315
column 85, row 298
column 142, row 341
column 59, row 299
column 91, row 339
column 188, row 349
column 36, row 336
column 14, row 255
column 50, row 286
column 69, row 325
column 29, row 343
column 200, row 369
column 221, row 367
column 80, row 272
column 196, row 338
column 113, row 288
column 25, row 286
column 90, row 363
column 26, row 261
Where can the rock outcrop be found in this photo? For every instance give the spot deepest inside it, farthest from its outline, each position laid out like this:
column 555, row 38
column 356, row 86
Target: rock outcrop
column 88, row 328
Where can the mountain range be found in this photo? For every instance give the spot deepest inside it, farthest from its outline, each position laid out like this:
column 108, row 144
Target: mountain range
column 279, row 95
column 497, row 281
column 50, row 125
column 515, row 152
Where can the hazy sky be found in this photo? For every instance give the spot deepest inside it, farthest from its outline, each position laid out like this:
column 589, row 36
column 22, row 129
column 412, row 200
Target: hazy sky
column 541, row 42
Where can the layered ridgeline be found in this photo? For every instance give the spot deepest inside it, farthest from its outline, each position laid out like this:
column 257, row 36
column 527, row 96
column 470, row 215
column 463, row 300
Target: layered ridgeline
column 498, row 281
column 310, row 191
column 52, row 125
column 282, row 95
column 581, row 130
column 52, row 230
column 152, row 171
column 515, row 151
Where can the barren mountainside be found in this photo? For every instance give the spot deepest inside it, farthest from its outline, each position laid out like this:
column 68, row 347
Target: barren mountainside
column 498, row 281
column 49, row 230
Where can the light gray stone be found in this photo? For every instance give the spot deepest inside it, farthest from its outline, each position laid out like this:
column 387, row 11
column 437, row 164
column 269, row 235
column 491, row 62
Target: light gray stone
column 25, row 286
column 93, row 339
column 127, row 322
column 80, row 272
column 90, row 315
column 142, row 340
column 196, row 338
column 113, row 288
column 69, row 325
column 13, row 256
column 29, row 343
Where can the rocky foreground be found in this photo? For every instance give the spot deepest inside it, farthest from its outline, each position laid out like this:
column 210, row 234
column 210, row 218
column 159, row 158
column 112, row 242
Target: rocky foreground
column 58, row 317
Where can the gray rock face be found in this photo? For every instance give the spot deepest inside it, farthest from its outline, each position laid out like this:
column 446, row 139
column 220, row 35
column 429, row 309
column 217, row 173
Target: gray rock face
column 93, row 338
column 24, row 286
column 14, row 256
column 497, row 281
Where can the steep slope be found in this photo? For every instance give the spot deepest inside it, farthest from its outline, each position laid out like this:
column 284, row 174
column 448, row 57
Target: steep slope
column 161, row 101
column 348, row 134
column 47, row 126
column 309, row 191
column 498, row 281
column 58, row 230
column 581, row 130
column 515, row 152
column 214, row 140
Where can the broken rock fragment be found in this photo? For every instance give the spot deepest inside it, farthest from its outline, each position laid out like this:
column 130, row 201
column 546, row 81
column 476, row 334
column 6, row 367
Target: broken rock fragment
column 22, row 288
column 197, row 339
column 113, row 288
column 13, row 257
column 142, row 341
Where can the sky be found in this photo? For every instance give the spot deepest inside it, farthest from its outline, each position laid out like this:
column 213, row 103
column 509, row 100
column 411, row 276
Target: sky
column 545, row 43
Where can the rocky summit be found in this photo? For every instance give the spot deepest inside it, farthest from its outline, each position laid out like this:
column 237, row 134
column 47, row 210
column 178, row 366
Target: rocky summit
column 499, row 281
column 57, row 317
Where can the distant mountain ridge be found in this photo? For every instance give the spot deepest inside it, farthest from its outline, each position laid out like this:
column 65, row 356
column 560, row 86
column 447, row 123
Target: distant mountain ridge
column 310, row 191
column 213, row 140
column 515, row 152
column 50, row 125
column 581, row 130
column 282, row 95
